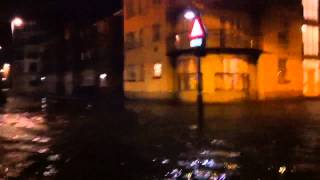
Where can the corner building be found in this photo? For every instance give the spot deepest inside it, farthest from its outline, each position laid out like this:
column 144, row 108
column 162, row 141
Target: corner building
column 256, row 50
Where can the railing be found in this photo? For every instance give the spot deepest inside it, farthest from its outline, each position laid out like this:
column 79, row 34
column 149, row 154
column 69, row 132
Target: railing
column 217, row 38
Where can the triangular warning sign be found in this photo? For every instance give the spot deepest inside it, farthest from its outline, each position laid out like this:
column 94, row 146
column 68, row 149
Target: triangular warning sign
column 197, row 29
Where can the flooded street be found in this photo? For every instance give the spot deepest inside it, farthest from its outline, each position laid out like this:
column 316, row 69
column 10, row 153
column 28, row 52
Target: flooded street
column 272, row 140
column 24, row 133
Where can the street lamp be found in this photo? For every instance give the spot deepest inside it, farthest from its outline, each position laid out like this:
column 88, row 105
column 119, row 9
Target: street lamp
column 16, row 22
column 189, row 15
column 198, row 38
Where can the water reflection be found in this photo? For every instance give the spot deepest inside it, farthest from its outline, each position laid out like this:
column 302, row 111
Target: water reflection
column 22, row 134
column 215, row 162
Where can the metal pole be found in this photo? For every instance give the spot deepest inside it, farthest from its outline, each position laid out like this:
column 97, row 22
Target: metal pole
column 199, row 95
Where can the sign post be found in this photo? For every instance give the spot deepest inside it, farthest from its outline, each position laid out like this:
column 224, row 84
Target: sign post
column 198, row 37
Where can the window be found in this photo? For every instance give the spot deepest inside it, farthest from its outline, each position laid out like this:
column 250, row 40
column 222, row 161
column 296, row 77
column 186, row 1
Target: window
column 33, row 67
column 141, row 34
column 234, row 77
column 131, row 41
column 283, row 38
column 157, row 70
column 231, row 81
column 282, row 71
column 310, row 40
column 188, row 81
column 134, row 39
column 310, row 9
column 156, row 32
column 134, row 73
column 129, row 8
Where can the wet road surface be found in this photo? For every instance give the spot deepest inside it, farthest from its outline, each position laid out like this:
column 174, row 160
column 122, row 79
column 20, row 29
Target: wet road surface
column 271, row 140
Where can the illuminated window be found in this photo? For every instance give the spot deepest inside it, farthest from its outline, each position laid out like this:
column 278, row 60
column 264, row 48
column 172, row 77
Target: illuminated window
column 310, row 40
column 188, row 81
column 310, row 9
column 234, row 77
column 231, row 81
column 157, row 70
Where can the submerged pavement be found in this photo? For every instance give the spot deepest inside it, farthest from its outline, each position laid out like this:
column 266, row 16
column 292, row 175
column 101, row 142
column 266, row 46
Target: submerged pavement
column 263, row 140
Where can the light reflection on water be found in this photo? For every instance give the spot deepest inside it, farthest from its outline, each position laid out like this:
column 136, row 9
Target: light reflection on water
column 19, row 139
column 215, row 163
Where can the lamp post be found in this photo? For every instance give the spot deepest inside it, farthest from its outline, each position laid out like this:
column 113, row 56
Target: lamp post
column 16, row 22
column 197, row 38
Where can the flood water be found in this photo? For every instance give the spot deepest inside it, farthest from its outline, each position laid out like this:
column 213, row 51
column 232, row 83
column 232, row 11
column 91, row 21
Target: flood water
column 271, row 140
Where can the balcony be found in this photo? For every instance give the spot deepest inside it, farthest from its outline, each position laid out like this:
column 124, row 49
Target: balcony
column 218, row 39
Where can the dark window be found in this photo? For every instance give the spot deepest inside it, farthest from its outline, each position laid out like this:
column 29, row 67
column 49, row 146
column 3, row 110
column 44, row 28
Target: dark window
column 134, row 73
column 283, row 37
column 156, row 32
column 282, row 71
column 141, row 33
column 130, row 8
column 33, row 67
column 130, row 40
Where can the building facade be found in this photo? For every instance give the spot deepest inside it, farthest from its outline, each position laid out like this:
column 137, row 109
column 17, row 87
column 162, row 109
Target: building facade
column 87, row 60
column 255, row 50
column 28, row 45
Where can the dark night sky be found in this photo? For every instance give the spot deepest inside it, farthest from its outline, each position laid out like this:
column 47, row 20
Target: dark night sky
column 54, row 12
column 66, row 9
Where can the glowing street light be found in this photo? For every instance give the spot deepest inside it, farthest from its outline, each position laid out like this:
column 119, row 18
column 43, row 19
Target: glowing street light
column 189, row 15
column 103, row 76
column 16, row 22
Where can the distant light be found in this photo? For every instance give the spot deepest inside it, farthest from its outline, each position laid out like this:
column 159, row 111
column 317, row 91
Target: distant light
column 282, row 169
column 6, row 70
column 178, row 39
column 4, row 79
column 6, row 66
column 157, row 70
column 43, row 78
column 17, row 21
column 189, row 15
column 103, row 76
column 0, row 47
